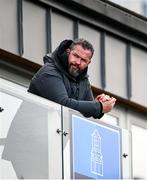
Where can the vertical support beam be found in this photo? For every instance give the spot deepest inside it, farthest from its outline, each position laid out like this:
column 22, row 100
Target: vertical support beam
column 20, row 27
column 128, row 64
column 102, row 60
column 62, row 140
column 76, row 29
column 48, row 31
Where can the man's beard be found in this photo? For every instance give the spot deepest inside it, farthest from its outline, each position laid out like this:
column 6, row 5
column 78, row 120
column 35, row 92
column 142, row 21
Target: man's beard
column 74, row 71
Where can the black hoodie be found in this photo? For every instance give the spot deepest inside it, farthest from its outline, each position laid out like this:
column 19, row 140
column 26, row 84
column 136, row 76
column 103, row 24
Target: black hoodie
column 54, row 82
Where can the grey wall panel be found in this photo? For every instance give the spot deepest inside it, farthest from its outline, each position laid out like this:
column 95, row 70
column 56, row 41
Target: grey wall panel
column 116, row 66
column 62, row 28
column 92, row 36
column 8, row 25
column 139, row 74
column 34, row 30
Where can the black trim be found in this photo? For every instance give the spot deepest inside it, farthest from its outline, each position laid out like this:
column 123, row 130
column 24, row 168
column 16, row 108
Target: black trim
column 128, row 68
column 76, row 29
column 20, row 27
column 102, row 60
column 48, row 31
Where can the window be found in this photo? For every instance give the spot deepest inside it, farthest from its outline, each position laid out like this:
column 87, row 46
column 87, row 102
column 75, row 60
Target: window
column 139, row 148
column 137, row 125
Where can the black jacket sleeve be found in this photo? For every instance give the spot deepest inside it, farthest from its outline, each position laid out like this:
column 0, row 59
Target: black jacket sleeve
column 53, row 88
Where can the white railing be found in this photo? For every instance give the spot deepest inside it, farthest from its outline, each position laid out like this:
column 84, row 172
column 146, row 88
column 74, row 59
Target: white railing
column 40, row 139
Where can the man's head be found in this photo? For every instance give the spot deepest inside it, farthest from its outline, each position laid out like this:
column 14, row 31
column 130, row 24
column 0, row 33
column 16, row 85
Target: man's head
column 79, row 56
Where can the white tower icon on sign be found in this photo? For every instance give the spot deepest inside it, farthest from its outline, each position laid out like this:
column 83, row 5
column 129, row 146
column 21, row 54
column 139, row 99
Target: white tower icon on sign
column 96, row 154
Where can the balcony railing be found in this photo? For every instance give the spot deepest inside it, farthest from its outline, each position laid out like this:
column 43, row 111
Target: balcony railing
column 40, row 139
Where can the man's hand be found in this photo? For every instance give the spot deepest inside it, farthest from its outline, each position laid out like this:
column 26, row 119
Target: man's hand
column 107, row 102
column 102, row 98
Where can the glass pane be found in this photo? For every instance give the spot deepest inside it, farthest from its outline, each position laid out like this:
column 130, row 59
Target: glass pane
column 28, row 135
column 109, row 119
column 34, row 32
column 92, row 36
column 139, row 72
column 139, row 149
column 8, row 113
column 8, row 25
column 126, row 154
column 116, row 66
column 62, row 28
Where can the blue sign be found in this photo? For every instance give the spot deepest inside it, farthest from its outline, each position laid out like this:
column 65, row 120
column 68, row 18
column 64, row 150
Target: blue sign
column 96, row 150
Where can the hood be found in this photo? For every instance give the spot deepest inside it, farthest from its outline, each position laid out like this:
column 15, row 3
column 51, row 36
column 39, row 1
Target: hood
column 60, row 58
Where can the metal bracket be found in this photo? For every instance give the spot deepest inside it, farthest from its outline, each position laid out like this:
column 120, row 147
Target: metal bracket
column 59, row 131
column 62, row 132
column 65, row 133
column 125, row 155
column 1, row 109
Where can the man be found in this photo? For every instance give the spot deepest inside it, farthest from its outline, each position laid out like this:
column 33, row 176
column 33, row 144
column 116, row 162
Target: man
column 64, row 79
